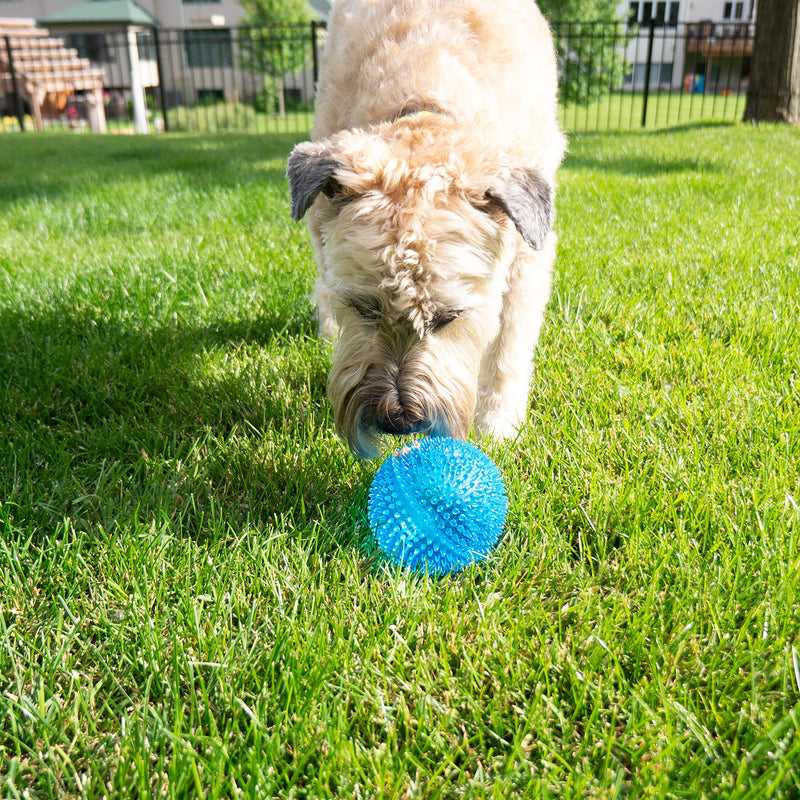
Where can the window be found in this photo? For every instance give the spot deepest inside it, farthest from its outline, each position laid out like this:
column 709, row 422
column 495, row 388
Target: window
column 94, row 46
column 666, row 12
column 660, row 75
column 210, row 96
column 208, row 48
column 674, row 10
column 739, row 11
column 146, row 46
column 727, row 11
column 746, row 67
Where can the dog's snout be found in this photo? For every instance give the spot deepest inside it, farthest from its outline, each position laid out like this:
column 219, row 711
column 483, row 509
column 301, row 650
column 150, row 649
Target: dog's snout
column 399, row 423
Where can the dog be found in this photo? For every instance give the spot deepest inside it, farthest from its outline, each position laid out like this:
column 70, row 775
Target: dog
column 429, row 189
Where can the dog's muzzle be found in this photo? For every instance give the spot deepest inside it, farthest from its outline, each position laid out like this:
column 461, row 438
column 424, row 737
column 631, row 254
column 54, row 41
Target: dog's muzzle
column 400, row 424
column 398, row 396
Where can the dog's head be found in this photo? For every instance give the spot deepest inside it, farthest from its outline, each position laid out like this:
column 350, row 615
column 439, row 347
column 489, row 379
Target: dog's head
column 416, row 225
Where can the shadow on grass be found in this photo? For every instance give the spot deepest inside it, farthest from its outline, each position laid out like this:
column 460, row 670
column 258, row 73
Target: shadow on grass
column 643, row 166
column 692, row 127
column 207, row 428
column 624, row 162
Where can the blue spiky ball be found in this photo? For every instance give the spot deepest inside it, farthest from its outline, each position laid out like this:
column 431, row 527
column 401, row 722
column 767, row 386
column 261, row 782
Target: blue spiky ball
column 437, row 505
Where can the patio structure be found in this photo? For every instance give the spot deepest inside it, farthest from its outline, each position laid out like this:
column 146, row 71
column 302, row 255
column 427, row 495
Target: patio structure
column 93, row 25
column 41, row 71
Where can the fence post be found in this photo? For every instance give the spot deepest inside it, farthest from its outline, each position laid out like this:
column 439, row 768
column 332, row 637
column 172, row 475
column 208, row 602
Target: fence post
column 648, row 68
column 314, row 51
column 161, row 88
column 140, row 122
column 14, row 86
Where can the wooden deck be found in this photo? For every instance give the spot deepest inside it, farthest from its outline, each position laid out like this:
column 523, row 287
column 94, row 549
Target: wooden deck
column 47, row 72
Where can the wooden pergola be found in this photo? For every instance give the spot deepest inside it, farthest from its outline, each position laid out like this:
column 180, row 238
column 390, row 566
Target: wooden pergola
column 44, row 72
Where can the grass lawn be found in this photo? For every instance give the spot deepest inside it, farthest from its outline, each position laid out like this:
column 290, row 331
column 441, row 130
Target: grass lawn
column 623, row 111
column 189, row 601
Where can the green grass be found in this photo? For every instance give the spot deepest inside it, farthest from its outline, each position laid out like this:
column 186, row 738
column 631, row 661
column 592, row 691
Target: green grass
column 620, row 111
column 189, row 601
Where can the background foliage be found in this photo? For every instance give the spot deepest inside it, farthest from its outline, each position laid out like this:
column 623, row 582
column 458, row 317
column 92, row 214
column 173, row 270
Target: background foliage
column 591, row 56
column 274, row 44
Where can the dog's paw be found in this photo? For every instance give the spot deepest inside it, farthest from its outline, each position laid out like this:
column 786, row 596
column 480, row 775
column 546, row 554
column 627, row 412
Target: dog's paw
column 497, row 425
column 327, row 328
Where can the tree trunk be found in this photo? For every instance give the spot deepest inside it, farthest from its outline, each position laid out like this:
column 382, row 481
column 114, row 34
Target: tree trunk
column 773, row 94
column 281, row 100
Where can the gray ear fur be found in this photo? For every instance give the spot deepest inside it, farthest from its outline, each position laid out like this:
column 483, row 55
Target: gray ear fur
column 527, row 198
column 310, row 171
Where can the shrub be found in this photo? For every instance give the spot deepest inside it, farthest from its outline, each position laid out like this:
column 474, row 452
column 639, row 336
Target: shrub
column 213, row 118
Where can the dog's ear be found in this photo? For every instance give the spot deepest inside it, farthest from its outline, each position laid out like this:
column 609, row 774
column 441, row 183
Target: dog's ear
column 310, row 171
column 527, row 198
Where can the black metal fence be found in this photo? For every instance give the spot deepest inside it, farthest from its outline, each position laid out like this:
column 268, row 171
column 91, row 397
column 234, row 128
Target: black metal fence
column 205, row 80
column 650, row 72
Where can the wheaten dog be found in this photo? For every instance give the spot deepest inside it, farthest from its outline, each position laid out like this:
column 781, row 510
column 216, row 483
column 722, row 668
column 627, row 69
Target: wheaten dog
column 429, row 191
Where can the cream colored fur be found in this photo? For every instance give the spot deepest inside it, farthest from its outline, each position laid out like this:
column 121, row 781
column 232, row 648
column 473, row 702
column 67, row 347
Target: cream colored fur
column 429, row 190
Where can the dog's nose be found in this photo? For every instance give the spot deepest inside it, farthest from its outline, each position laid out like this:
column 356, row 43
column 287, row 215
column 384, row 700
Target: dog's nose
column 399, row 424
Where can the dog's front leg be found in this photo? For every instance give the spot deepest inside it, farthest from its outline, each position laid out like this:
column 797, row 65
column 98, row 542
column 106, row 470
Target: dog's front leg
column 507, row 365
column 326, row 324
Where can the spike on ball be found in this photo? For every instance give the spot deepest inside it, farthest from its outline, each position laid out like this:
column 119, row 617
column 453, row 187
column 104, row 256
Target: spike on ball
column 437, row 505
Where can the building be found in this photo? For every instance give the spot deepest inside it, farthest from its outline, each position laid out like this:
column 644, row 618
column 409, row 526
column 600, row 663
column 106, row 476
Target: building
column 157, row 55
column 697, row 45
column 190, row 14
